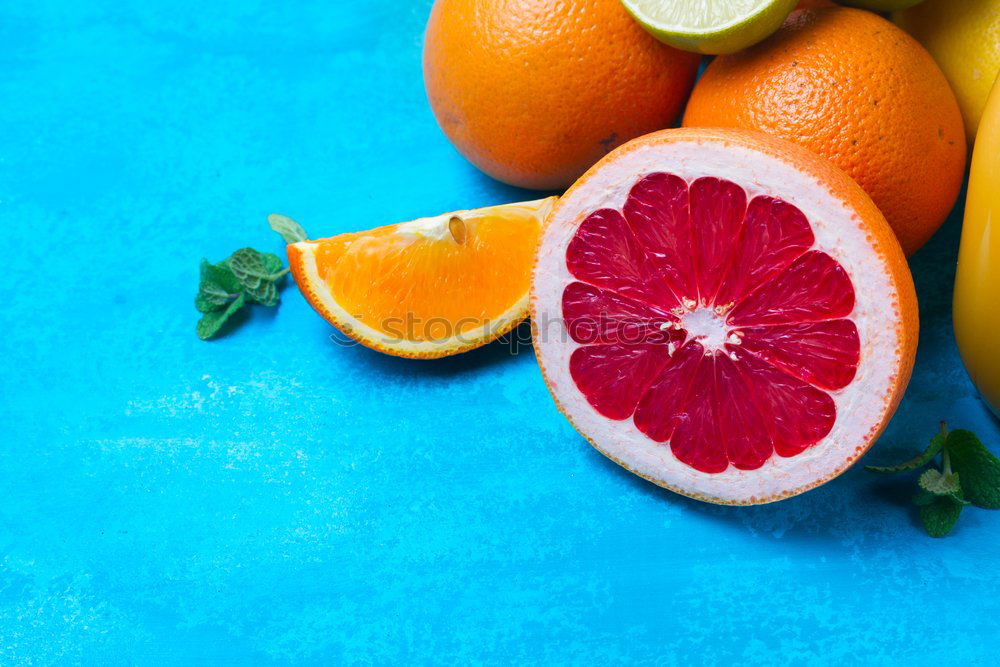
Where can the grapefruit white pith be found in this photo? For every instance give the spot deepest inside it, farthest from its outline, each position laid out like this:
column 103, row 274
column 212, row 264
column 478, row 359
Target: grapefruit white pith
column 723, row 313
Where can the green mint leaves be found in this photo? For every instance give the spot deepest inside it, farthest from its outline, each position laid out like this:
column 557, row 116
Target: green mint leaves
column 969, row 474
column 246, row 276
column 217, row 289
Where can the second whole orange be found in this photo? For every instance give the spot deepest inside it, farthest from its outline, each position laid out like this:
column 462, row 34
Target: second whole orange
column 859, row 91
column 533, row 92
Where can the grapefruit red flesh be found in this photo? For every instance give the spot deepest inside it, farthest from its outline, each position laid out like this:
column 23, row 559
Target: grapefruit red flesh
column 780, row 338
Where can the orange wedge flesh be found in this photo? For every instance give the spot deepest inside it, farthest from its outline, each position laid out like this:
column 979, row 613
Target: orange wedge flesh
column 429, row 287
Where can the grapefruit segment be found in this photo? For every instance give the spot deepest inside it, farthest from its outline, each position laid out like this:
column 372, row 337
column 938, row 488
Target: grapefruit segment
column 800, row 415
column 605, row 253
column 748, row 439
column 740, row 321
column 614, row 377
column 697, row 439
column 657, row 213
column 595, row 315
column 824, row 354
column 657, row 412
column 717, row 211
column 773, row 235
column 815, row 287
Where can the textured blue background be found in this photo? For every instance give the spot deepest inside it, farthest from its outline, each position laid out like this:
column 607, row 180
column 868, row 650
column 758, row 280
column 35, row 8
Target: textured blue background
column 272, row 497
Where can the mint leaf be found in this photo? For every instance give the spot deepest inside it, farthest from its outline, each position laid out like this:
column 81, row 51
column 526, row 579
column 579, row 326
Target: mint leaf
column 938, row 483
column 219, row 274
column 258, row 273
column 248, row 267
column 937, row 442
column 217, row 287
column 290, row 230
column 266, row 294
column 939, row 516
column 210, row 323
column 979, row 468
column 272, row 264
column 211, row 297
column 251, row 267
column 923, row 497
column 207, row 304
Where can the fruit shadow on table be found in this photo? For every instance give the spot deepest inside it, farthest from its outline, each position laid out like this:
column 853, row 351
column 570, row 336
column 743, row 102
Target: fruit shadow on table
column 507, row 348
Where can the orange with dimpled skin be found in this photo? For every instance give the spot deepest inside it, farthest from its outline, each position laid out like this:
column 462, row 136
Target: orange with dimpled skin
column 533, row 92
column 859, row 91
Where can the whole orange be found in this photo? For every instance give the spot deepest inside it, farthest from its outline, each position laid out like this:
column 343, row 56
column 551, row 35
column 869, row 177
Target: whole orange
column 858, row 90
column 534, row 92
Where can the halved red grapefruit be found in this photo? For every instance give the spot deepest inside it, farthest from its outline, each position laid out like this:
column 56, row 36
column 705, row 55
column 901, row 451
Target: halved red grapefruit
column 723, row 313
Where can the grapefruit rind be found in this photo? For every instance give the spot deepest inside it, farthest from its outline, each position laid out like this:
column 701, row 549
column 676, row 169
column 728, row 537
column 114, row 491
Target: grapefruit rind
column 302, row 261
column 846, row 225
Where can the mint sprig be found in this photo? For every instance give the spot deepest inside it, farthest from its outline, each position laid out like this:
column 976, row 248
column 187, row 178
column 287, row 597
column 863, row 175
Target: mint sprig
column 246, row 276
column 918, row 461
column 969, row 474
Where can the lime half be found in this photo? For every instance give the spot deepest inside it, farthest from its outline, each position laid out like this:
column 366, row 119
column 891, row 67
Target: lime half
column 710, row 26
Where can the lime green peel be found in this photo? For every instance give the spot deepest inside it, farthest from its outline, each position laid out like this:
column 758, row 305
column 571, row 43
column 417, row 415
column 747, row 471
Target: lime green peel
column 710, row 26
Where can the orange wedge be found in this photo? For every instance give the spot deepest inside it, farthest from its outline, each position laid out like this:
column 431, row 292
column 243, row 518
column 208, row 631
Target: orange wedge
column 427, row 288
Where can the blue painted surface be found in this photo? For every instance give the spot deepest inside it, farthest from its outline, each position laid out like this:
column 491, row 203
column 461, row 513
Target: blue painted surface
column 274, row 498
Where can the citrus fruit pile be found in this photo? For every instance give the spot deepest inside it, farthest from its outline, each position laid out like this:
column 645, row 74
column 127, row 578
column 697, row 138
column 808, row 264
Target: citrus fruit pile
column 725, row 308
